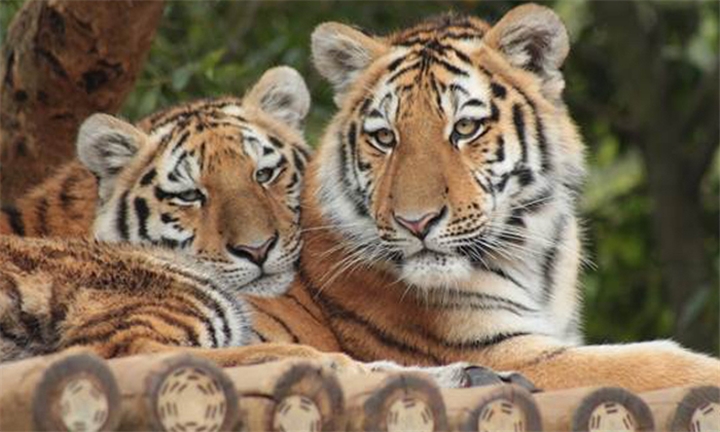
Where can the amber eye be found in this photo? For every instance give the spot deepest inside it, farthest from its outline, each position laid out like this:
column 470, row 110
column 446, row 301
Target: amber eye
column 466, row 128
column 191, row 195
column 264, row 175
column 385, row 137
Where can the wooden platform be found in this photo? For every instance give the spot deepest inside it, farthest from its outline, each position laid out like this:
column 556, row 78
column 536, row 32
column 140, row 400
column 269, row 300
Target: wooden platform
column 79, row 391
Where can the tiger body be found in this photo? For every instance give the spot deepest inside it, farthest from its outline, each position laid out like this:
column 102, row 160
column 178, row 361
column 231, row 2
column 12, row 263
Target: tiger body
column 439, row 213
column 109, row 298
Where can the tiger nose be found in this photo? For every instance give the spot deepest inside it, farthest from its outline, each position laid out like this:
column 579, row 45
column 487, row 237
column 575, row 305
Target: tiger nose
column 421, row 226
column 256, row 253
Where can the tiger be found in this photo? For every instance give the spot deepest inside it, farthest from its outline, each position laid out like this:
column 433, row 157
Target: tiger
column 211, row 186
column 219, row 178
column 161, row 233
column 440, row 210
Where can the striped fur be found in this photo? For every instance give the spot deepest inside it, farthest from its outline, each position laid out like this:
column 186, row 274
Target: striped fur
column 189, row 178
column 112, row 299
column 440, row 211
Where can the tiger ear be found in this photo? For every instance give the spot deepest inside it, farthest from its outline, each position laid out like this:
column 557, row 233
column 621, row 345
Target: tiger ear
column 533, row 38
column 282, row 93
column 105, row 145
column 341, row 52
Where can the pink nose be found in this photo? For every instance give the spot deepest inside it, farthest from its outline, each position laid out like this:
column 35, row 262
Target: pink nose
column 420, row 227
column 255, row 254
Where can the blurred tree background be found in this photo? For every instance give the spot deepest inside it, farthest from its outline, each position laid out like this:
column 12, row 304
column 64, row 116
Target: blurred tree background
column 642, row 82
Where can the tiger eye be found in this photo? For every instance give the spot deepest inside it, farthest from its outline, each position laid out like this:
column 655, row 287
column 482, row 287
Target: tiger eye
column 466, row 127
column 385, row 137
column 263, row 175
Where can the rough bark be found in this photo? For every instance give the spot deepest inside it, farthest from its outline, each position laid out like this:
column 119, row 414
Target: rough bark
column 62, row 61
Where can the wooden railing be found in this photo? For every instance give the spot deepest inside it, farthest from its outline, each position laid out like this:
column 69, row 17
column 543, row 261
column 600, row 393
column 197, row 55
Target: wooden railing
column 76, row 390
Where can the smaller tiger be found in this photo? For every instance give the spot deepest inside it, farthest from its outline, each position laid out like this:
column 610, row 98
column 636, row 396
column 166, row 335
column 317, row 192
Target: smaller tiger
column 219, row 178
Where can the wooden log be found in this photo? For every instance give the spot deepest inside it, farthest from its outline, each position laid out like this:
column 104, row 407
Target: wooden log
column 594, row 409
column 288, row 395
column 393, row 402
column 72, row 390
column 174, row 392
column 685, row 409
column 492, row 408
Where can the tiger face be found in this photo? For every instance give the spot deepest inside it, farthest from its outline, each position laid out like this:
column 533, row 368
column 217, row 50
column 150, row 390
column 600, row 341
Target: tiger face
column 219, row 178
column 450, row 136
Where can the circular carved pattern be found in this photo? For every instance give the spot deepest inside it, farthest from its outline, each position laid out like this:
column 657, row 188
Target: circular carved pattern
column 611, row 417
column 410, row 414
column 83, row 405
column 190, row 399
column 706, row 418
column 297, row 413
column 502, row 415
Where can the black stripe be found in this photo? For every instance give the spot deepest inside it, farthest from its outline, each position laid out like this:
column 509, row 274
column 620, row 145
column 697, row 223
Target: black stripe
column 299, row 161
column 498, row 90
column 276, row 142
column 121, row 218
column 282, row 323
column 148, row 177
column 474, row 306
column 351, row 192
column 15, row 220
column 489, row 297
column 89, row 339
column 395, row 63
column 500, row 150
column 186, row 308
column 143, row 213
column 519, row 122
column 66, row 191
column 259, row 335
column 542, row 139
column 304, row 307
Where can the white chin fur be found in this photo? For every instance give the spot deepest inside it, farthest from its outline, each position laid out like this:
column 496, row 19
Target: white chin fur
column 269, row 285
column 432, row 270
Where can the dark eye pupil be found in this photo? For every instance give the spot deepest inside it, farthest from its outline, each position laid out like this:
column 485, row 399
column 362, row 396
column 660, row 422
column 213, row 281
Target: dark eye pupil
column 263, row 175
column 385, row 137
column 190, row 195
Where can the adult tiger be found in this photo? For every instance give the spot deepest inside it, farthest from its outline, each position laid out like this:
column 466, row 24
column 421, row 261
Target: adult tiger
column 218, row 177
column 439, row 213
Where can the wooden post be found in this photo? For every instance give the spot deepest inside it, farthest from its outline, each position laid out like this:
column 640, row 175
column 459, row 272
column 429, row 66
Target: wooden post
column 394, row 402
column 174, row 392
column 685, row 409
column 288, row 395
column 591, row 409
column 72, row 390
column 492, row 408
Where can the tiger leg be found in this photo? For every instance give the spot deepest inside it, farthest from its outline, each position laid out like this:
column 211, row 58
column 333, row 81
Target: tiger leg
column 637, row 366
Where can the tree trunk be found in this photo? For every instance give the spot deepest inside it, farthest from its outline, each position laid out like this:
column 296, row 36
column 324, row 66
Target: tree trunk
column 62, row 61
column 677, row 146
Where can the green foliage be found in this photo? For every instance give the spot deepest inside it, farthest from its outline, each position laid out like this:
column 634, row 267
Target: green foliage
column 206, row 49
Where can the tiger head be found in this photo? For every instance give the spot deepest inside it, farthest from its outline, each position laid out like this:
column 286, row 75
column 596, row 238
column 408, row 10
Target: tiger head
column 449, row 134
column 219, row 178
